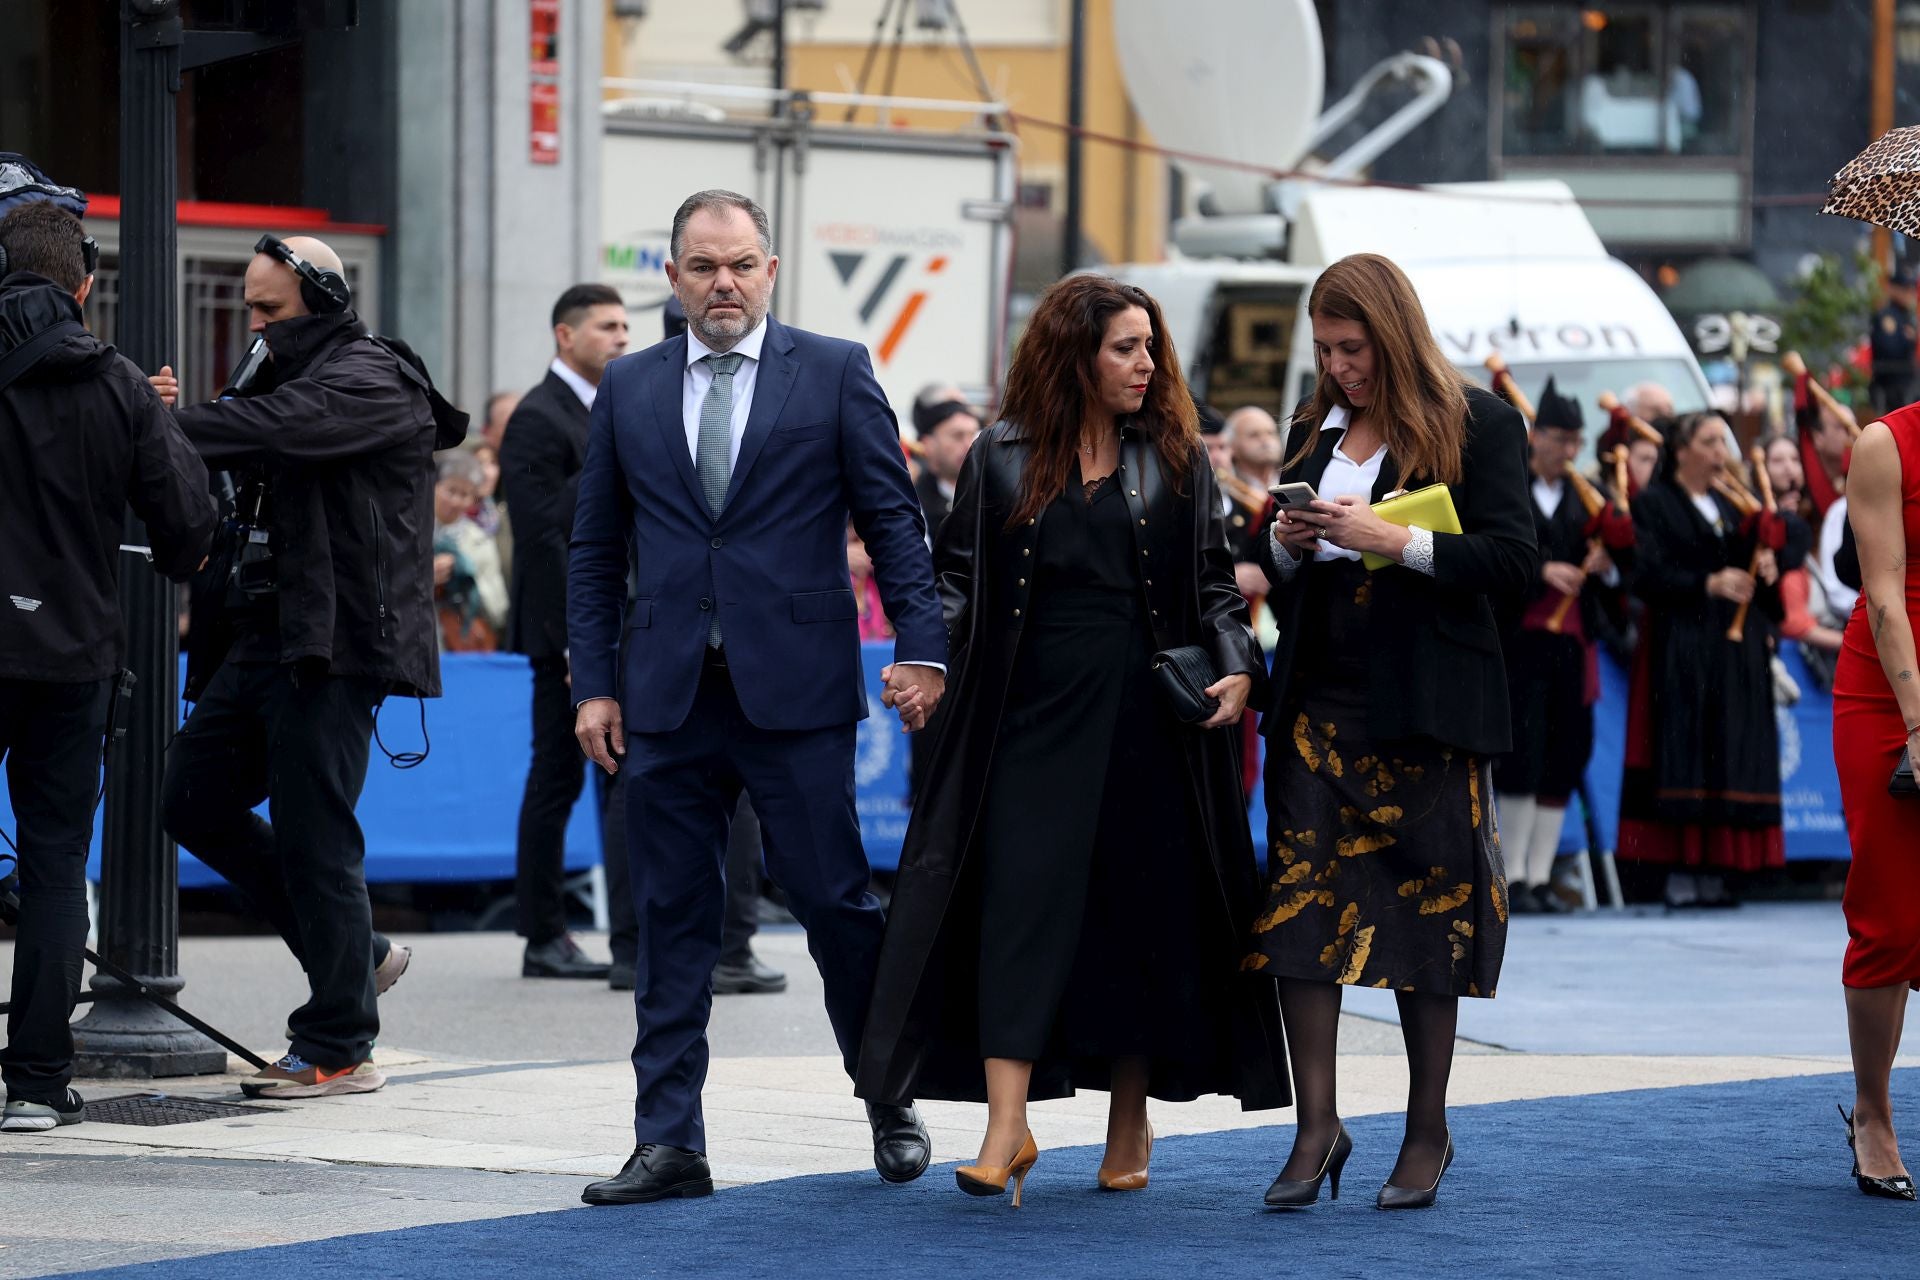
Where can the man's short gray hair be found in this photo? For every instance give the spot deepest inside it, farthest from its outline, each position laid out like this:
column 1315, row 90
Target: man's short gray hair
column 460, row 464
column 717, row 200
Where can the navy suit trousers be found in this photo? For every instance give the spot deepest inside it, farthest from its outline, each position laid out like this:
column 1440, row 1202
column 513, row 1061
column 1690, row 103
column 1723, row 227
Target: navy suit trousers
column 681, row 788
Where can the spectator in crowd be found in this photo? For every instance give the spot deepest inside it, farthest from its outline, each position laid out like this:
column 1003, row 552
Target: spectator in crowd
column 1826, row 445
column 540, row 461
column 469, row 589
column 1700, row 796
column 866, row 592
column 1650, row 402
column 1213, row 434
column 946, row 430
column 1808, row 619
column 500, row 407
column 1893, row 339
column 1244, row 451
column 485, row 511
column 1255, row 439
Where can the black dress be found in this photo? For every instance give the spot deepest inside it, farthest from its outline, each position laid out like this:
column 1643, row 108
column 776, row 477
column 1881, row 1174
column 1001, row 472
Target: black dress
column 1089, row 940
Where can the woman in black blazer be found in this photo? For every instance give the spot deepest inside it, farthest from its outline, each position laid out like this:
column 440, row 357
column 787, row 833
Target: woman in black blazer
column 1389, row 702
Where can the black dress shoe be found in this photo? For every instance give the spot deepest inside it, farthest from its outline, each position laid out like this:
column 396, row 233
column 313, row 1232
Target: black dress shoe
column 654, row 1173
column 1392, row 1197
column 901, row 1149
column 750, row 979
column 620, row 975
column 560, row 958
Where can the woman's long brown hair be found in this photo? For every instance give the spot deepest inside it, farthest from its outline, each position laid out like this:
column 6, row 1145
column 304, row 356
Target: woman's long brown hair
column 1419, row 400
column 1051, row 389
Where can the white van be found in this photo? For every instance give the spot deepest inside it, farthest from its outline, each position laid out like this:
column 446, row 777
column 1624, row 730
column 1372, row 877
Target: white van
column 1508, row 267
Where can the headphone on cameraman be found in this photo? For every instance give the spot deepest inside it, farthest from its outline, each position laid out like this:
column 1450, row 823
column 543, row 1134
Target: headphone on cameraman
column 89, row 256
column 325, row 292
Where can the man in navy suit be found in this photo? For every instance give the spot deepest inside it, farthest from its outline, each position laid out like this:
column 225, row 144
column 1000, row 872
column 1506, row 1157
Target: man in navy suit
column 730, row 459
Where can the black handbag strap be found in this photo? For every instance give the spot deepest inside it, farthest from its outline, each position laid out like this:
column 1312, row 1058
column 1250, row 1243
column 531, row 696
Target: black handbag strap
column 28, row 353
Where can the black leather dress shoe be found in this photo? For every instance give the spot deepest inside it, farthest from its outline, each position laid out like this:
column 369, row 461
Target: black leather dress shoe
column 560, row 958
column 654, row 1173
column 620, row 975
column 750, row 979
column 901, row 1149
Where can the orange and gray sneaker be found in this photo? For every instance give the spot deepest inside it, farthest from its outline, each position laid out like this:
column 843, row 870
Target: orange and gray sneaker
column 294, row 1077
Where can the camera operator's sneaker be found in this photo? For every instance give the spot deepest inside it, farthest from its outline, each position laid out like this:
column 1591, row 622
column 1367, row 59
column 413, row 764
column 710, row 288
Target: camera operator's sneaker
column 294, row 1077
column 25, row 1116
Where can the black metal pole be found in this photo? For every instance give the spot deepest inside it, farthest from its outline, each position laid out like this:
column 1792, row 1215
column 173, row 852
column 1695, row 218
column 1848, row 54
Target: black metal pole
column 124, row 1035
column 1076, row 120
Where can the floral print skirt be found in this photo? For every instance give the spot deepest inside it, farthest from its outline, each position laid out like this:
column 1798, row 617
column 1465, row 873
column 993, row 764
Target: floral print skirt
column 1383, row 861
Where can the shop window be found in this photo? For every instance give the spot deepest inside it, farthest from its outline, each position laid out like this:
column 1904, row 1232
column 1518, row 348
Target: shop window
column 1625, row 80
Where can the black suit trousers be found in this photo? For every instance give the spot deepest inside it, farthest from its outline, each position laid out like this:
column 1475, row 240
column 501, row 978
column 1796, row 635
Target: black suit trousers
column 555, row 778
column 682, row 788
column 50, row 734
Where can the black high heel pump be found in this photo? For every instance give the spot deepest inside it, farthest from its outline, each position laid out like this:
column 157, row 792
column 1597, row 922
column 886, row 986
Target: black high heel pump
column 1300, row 1194
column 1898, row 1187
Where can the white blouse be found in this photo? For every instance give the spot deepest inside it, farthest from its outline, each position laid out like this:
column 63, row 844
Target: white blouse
column 1346, row 478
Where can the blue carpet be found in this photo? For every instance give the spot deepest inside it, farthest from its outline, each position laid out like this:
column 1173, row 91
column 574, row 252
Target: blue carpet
column 1745, row 1179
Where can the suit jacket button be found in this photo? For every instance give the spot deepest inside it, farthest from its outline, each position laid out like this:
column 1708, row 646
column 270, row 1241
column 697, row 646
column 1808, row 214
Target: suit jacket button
column 1021, row 583
column 1016, row 613
column 1032, row 519
column 718, row 543
column 705, row 603
column 1143, row 520
column 1026, row 551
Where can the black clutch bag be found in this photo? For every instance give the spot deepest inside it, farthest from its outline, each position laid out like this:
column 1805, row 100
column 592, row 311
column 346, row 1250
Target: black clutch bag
column 1902, row 784
column 1184, row 676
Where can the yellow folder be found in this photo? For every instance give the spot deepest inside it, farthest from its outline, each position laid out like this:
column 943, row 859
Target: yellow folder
column 1431, row 508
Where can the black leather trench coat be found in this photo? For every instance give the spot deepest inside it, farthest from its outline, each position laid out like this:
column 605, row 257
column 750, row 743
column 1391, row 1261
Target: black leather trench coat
column 921, row 1031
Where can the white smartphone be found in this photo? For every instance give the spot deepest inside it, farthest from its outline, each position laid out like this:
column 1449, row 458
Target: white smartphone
column 1296, row 496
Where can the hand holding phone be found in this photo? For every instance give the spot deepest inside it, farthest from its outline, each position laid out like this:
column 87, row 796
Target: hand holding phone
column 1296, row 526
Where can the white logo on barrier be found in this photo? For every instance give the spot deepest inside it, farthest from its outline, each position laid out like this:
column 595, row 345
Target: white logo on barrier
column 26, row 604
column 873, row 744
column 1790, row 745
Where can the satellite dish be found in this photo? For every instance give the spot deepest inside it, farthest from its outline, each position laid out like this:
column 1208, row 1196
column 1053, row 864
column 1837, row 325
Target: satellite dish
column 1243, row 80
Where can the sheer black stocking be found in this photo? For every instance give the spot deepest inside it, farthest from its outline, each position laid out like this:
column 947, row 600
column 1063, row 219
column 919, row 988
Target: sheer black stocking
column 1311, row 1011
column 1427, row 1024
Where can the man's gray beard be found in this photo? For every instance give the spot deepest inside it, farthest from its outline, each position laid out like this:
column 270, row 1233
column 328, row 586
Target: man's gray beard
column 721, row 335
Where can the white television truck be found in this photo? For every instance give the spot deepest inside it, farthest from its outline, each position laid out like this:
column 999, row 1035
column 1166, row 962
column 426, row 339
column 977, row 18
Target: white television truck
column 899, row 240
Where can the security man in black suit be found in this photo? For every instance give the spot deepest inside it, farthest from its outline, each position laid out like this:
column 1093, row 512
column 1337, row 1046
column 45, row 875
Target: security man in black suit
column 1896, row 334
column 540, row 459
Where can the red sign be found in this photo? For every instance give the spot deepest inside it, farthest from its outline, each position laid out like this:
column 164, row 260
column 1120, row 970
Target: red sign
column 543, row 51
column 543, row 125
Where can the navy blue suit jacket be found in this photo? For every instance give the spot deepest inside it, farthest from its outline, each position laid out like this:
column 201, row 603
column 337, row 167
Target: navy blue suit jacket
column 821, row 444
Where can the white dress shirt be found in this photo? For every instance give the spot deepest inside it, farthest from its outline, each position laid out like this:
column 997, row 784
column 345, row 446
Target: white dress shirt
column 699, row 380
column 581, row 387
column 1346, row 478
column 1547, row 495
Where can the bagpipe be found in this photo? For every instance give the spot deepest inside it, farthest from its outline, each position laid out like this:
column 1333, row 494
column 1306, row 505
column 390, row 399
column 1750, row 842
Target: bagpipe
column 1762, row 519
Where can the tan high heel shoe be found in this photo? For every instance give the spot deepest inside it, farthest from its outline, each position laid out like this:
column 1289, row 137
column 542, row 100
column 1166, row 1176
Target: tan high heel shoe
column 1134, row 1180
column 991, row 1180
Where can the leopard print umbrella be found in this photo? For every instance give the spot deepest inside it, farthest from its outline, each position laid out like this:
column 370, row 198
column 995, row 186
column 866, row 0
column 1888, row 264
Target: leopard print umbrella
column 1881, row 185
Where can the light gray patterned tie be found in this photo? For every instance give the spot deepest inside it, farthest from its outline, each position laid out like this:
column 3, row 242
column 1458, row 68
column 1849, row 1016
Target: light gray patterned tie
column 711, row 461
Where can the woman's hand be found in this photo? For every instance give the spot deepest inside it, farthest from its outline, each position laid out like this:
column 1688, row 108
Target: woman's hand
column 1298, row 532
column 1731, row 584
column 1352, row 524
column 442, row 568
column 1233, row 692
column 1767, row 566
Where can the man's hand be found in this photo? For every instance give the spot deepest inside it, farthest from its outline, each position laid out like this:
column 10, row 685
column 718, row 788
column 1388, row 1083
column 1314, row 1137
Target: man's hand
column 1563, row 577
column 597, row 726
column 1598, row 562
column 914, row 691
column 167, row 385
column 1232, row 692
column 442, row 568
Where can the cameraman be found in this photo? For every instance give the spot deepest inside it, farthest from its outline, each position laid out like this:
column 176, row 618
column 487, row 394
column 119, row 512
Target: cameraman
column 82, row 437
column 323, row 606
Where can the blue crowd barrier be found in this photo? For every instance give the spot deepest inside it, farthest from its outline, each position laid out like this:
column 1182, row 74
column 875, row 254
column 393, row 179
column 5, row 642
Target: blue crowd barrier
column 454, row 817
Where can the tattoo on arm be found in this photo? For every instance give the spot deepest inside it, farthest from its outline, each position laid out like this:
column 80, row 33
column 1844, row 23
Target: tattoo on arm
column 1907, row 676
column 1879, row 620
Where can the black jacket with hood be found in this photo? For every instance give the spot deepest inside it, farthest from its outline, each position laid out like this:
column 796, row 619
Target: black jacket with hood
column 82, row 437
column 346, row 440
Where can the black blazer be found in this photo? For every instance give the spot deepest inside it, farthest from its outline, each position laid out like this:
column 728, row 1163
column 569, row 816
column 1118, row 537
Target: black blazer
column 935, row 505
column 540, row 459
column 1436, row 666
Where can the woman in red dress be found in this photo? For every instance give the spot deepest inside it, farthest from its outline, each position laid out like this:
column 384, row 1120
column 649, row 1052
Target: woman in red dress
column 1876, row 715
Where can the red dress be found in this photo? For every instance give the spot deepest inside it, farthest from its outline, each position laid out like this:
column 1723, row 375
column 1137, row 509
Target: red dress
column 1883, row 885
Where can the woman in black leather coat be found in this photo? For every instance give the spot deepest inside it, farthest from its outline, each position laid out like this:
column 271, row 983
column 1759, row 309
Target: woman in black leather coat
column 1078, row 875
